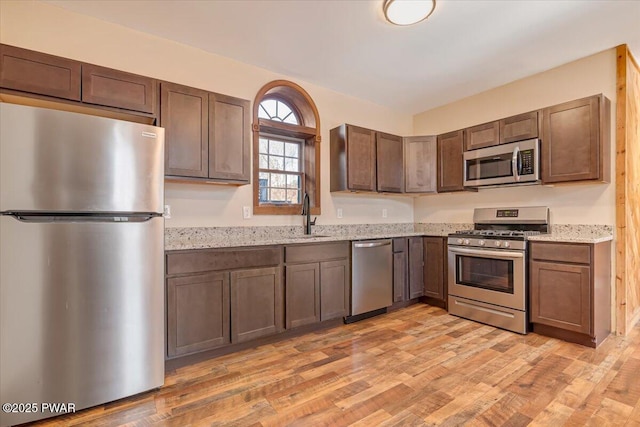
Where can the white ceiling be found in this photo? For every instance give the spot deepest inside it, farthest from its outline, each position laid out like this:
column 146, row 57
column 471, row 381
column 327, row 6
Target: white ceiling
column 465, row 47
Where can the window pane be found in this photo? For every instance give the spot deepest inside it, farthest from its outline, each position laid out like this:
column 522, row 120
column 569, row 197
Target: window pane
column 268, row 109
column 293, row 181
column 264, row 161
column 278, row 180
column 276, row 147
column 291, row 165
column 278, row 195
column 264, row 143
column 291, row 119
column 293, row 196
column 276, row 163
column 291, row 149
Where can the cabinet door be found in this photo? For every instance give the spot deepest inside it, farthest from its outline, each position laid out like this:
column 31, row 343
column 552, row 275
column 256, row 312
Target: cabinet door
column 434, row 267
column 481, row 136
column 35, row 72
column 389, row 163
column 421, row 164
column 399, row 276
column 561, row 295
column 184, row 112
column 571, row 146
column 518, row 128
column 361, row 159
column 416, row 266
column 334, row 289
column 256, row 303
column 197, row 313
column 113, row 88
column 450, row 162
column 229, row 138
column 302, row 294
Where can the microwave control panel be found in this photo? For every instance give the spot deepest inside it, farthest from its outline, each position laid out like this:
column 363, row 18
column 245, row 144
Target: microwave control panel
column 526, row 157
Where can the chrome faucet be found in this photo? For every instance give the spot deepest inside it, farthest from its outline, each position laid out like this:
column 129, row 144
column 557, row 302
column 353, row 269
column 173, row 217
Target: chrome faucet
column 306, row 210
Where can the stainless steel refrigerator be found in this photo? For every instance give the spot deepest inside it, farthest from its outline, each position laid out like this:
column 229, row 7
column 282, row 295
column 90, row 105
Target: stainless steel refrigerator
column 81, row 260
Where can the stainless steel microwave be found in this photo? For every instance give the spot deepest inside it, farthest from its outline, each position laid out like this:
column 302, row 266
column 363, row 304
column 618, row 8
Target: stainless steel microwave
column 514, row 163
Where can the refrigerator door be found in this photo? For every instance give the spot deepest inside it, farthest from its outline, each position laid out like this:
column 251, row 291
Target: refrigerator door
column 68, row 162
column 81, row 311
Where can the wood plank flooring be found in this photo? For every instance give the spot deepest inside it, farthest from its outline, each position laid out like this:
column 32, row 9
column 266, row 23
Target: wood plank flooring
column 412, row 367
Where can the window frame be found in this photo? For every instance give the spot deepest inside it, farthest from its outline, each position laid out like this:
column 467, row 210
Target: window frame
column 285, row 139
column 308, row 130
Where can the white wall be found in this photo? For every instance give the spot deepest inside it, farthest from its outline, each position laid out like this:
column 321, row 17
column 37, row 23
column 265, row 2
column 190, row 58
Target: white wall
column 569, row 204
column 46, row 28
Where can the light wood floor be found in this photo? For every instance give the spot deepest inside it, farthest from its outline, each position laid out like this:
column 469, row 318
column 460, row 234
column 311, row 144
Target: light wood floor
column 415, row 366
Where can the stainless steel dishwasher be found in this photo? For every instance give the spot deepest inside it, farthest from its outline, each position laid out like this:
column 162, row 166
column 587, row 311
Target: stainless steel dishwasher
column 371, row 278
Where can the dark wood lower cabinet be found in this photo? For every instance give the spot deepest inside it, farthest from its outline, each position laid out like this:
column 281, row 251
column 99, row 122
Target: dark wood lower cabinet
column 334, row 289
column 256, row 303
column 435, row 254
column 570, row 291
column 302, row 294
column 197, row 313
column 400, row 282
column 416, row 265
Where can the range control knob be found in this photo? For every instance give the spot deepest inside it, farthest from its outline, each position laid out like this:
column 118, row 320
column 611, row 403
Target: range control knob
column 507, row 244
column 482, row 242
column 459, row 241
column 466, row 241
column 497, row 243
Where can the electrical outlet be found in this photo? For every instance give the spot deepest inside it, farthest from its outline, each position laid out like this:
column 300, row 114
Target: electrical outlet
column 339, row 213
column 246, row 212
column 384, row 213
column 167, row 211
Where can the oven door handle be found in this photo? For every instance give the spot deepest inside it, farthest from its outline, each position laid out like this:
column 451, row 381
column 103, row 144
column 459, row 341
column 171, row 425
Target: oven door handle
column 487, row 253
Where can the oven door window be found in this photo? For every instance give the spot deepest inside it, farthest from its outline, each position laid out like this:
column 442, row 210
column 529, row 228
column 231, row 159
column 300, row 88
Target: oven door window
column 486, row 273
column 498, row 166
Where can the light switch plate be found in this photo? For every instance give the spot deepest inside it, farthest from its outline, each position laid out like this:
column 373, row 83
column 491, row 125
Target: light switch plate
column 167, row 211
column 339, row 213
column 384, row 213
column 246, row 212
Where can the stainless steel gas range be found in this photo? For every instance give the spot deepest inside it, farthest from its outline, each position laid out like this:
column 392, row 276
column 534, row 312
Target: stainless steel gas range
column 488, row 269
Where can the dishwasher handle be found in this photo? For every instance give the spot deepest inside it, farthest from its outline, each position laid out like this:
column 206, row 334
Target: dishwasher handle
column 371, row 244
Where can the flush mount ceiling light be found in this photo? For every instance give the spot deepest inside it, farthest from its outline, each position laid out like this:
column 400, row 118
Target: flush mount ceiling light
column 407, row 12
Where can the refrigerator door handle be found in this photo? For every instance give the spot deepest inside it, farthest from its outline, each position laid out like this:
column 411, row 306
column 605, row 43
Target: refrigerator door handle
column 24, row 217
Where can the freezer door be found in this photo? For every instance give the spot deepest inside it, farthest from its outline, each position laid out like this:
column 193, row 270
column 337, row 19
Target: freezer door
column 60, row 161
column 81, row 312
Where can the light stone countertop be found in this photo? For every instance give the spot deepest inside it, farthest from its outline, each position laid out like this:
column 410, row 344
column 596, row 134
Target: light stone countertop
column 576, row 233
column 225, row 237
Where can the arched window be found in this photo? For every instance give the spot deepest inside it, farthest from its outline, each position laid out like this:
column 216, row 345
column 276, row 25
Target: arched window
column 286, row 150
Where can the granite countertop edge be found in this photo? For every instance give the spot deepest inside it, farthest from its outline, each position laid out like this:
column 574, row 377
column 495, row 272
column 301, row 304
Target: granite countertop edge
column 560, row 233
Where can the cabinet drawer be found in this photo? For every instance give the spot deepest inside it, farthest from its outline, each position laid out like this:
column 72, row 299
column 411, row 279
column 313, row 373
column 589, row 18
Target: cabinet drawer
column 213, row 260
column 316, row 252
column 563, row 252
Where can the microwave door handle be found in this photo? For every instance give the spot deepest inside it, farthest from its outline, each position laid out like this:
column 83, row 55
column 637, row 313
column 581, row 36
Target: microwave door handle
column 515, row 164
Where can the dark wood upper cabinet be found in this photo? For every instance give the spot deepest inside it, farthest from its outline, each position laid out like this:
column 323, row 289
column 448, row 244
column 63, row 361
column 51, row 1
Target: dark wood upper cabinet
column 416, row 265
column 421, row 164
column 229, row 138
column 434, row 268
column 576, row 141
column 481, row 136
column 184, row 113
column 197, row 313
column 353, row 158
column 114, row 88
column 520, row 127
column 39, row 73
column 450, row 172
column 389, row 161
